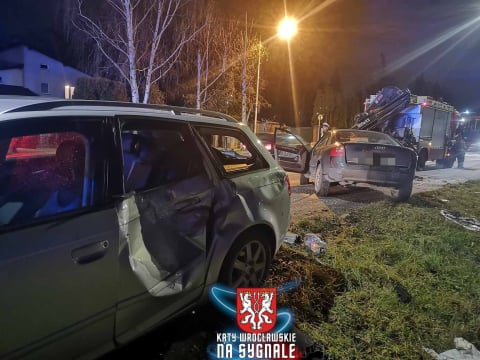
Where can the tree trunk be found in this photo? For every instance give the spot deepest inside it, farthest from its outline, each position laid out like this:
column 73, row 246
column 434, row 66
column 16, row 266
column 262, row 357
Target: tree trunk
column 199, row 79
column 131, row 51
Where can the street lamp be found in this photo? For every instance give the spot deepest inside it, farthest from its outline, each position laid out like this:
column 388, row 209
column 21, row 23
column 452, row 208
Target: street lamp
column 287, row 28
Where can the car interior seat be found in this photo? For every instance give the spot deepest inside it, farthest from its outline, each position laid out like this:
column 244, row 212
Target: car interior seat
column 69, row 175
column 136, row 162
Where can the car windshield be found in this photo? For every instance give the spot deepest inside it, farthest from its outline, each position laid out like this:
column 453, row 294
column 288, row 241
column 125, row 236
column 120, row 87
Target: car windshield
column 357, row 136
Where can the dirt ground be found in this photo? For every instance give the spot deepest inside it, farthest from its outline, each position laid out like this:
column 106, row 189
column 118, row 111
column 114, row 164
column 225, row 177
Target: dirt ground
column 341, row 199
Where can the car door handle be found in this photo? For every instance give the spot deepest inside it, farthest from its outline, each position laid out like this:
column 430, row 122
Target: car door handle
column 91, row 252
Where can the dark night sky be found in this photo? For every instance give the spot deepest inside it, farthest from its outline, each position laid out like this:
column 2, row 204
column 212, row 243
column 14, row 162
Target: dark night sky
column 436, row 38
column 350, row 35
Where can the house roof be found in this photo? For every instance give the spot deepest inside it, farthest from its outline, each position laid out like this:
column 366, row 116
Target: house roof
column 15, row 90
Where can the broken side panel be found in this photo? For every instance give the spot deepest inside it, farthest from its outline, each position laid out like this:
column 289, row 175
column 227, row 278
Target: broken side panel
column 168, row 213
column 164, row 230
column 173, row 222
column 163, row 218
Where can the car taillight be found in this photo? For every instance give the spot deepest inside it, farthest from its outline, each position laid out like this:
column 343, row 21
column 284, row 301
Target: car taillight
column 268, row 147
column 287, row 180
column 337, row 151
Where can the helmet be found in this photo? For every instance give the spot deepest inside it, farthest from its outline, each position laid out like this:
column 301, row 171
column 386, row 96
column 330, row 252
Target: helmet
column 326, row 124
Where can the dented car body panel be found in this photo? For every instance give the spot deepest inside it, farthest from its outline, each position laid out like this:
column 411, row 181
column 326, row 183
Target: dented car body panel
column 137, row 211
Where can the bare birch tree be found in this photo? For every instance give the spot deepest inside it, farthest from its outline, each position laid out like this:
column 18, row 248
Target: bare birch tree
column 215, row 57
column 142, row 39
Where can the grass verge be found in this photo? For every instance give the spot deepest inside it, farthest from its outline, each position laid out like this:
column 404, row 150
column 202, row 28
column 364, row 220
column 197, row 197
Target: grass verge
column 395, row 277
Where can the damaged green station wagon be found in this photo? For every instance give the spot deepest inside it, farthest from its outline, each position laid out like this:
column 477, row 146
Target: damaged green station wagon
column 116, row 217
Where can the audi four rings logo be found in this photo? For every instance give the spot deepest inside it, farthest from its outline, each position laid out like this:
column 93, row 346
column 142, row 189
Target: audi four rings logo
column 379, row 147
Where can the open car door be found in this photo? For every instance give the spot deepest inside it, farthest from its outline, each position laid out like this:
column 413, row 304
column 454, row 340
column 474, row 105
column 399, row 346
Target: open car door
column 290, row 151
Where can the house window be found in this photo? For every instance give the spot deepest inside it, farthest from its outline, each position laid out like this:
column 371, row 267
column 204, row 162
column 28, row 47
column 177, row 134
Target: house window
column 44, row 88
column 44, row 66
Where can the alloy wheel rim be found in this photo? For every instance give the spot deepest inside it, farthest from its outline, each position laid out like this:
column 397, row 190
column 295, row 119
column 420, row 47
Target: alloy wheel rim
column 250, row 265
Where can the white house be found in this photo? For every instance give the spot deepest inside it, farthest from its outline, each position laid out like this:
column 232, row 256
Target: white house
column 45, row 76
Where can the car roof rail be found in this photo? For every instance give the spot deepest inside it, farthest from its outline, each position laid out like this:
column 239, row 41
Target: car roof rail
column 176, row 110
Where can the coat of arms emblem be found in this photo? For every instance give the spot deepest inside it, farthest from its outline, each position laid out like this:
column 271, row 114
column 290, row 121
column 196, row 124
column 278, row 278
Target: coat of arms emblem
column 256, row 309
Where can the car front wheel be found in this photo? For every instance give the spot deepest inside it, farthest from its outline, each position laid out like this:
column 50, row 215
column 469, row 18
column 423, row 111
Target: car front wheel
column 322, row 186
column 247, row 263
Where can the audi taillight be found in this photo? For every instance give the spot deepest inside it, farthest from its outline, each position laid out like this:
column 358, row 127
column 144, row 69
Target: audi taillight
column 337, row 151
column 287, row 180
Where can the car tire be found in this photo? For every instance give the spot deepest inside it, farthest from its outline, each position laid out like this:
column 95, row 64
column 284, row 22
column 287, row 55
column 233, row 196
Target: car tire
column 402, row 193
column 322, row 186
column 422, row 160
column 303, row 180
column 247, row 263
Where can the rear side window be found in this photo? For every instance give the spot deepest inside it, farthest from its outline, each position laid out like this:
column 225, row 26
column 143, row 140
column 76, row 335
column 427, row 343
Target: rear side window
column 42, row 175
column 157, row 154
column 232, row 150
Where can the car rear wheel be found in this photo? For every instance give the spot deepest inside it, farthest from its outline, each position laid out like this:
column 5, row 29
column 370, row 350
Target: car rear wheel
column 403, row 192
column 247, row 262
column 322, row 186
column 422, row 159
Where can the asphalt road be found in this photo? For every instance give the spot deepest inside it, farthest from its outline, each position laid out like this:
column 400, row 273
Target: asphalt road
column 341, row 199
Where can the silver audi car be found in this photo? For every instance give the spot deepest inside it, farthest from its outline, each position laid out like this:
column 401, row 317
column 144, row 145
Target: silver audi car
column 116, row 217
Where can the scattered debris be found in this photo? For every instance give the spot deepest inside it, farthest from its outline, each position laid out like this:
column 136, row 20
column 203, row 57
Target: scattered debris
column 315, row 244
column 463, row 351
column 444, row 200
column 344, row 216
column 468, row 223
column 402, row 293
column 291, row 238
column 418, row 178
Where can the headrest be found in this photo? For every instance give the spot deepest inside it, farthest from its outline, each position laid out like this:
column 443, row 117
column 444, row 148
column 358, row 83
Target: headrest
column 70, row 151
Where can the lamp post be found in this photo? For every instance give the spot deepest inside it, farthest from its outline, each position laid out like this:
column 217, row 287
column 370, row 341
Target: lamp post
column 258, row 86
column 287, row 28
column 320, row 118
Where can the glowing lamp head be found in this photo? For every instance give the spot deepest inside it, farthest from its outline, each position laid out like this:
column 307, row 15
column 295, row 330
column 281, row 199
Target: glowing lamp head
column 287, row 28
